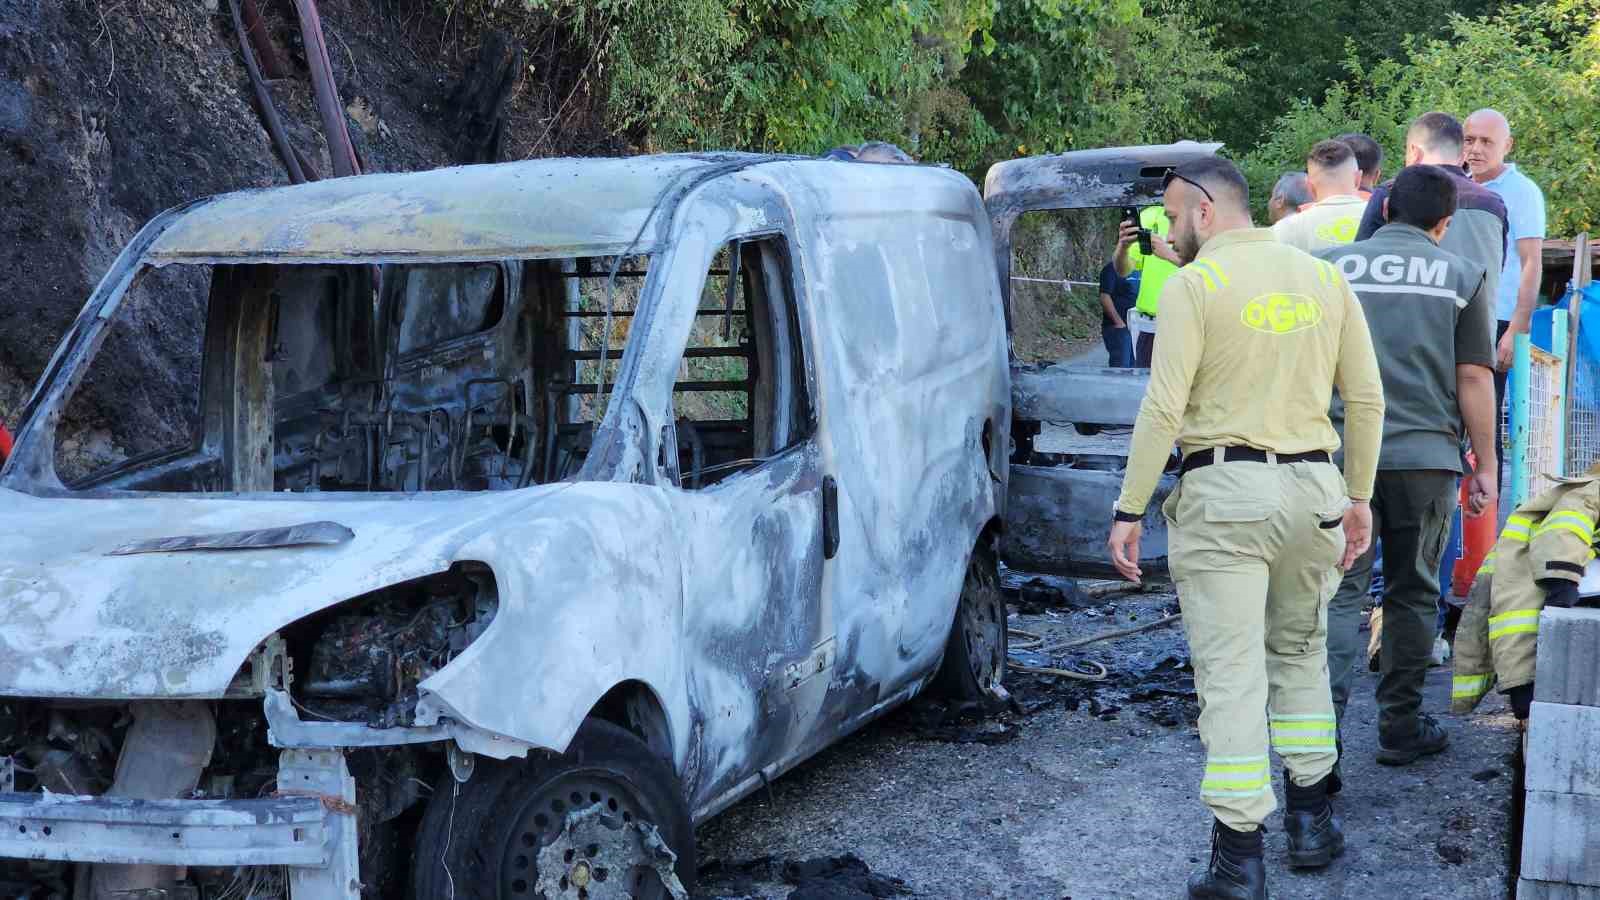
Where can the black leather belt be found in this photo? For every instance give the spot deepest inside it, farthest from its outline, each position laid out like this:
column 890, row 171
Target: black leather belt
column 1202, row 458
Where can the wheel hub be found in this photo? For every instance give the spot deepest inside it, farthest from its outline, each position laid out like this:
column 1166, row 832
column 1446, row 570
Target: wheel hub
column 599, row 856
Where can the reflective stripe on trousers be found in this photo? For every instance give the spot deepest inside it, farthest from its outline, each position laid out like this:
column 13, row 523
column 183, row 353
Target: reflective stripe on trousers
column 1254, row 569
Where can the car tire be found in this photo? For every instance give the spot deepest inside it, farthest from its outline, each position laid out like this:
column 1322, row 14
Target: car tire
column 974, row 664
column 483, row 840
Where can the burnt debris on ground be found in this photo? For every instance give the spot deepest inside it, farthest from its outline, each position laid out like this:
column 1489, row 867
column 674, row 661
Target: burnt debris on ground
column 824, row 878
column 1147, row 672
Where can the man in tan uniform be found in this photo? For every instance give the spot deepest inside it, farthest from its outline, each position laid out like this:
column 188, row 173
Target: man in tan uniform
column 1334, row 178
column 1254, row 337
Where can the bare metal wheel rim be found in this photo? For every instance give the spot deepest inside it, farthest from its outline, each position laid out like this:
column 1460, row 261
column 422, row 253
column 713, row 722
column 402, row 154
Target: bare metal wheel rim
column 983, row 623
column 585, row 835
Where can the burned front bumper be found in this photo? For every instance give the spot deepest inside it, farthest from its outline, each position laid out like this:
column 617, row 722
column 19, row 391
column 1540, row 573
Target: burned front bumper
column 282, row 831
column 309, row 826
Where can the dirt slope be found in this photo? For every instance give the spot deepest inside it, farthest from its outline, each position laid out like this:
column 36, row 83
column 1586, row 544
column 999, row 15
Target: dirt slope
column 113, row 111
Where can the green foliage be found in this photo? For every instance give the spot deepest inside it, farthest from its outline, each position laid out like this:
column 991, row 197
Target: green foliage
column 1289, row 51
column 1079, row 73
column 777, row 75
column 1538, row 63
column 959, row 81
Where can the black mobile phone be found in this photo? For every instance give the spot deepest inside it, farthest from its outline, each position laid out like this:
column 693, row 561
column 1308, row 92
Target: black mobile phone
column 1131, row 214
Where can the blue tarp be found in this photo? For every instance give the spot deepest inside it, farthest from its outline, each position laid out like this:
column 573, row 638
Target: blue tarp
column 1588, row 338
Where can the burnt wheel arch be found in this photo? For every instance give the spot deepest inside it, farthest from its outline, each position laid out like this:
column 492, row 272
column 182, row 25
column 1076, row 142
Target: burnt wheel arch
column 481, row 840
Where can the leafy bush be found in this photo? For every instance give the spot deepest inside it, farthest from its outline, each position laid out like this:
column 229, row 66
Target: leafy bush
column 958, row 81
column 1537, row 63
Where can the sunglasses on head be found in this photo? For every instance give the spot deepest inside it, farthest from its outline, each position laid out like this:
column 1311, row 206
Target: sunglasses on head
column 1173, row 174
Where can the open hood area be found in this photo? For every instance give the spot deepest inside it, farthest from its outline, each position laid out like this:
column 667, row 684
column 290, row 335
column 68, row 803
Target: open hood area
column 77, row 619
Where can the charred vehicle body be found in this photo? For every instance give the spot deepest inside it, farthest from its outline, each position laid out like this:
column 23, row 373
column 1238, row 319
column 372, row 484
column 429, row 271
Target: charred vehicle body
column 473, row 533
column 1060, row 503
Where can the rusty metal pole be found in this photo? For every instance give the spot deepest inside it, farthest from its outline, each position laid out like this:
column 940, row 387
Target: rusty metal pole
column 271, row 64
column 326, row 91
column 299, row 171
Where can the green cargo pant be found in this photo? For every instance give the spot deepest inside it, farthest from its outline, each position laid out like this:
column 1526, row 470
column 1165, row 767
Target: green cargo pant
column 1254, row 549
column 1411, row 512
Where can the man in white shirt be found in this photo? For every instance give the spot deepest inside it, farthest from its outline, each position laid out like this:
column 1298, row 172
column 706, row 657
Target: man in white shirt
column 1488, row 141
column 1334, row 178
column 1485, row 144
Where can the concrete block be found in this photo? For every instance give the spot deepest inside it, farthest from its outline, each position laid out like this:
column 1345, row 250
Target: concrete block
column 1568, row 668
column 1563, row 752
column 1559, row 832
column 1528, row 889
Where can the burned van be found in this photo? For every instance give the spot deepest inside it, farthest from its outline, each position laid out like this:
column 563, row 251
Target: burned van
column 1059, row 513
column 474, row 533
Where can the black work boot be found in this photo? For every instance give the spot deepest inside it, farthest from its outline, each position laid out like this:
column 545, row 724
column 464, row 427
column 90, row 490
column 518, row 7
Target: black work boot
column 1236, row 871
column 1429, row 738
column 1315, row 837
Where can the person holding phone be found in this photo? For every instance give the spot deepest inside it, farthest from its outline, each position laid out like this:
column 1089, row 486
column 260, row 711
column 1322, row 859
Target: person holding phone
column 1142, row 247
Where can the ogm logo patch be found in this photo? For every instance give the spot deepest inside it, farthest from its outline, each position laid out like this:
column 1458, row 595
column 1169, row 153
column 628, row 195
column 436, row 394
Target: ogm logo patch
column 1281, row 313
column 1339, row 231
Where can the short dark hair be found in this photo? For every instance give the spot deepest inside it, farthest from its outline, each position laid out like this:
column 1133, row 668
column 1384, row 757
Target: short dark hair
column 1330, row 155
column 1369, row 155
column 1221, row 178
column 1422, row 196
column 1437, row 131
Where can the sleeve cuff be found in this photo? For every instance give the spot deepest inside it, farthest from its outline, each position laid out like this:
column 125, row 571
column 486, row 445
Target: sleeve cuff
column 1563, row 570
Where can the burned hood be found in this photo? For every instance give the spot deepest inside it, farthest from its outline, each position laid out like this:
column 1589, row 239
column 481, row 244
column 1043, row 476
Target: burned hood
column 80, row 616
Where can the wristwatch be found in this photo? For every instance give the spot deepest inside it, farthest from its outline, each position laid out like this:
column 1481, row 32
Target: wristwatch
column 1118, row 515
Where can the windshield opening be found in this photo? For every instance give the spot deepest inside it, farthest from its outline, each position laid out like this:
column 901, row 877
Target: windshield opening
column 356, row 378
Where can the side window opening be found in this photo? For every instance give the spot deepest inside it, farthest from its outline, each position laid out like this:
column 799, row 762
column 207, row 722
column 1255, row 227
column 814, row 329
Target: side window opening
column 588, row 350
column 741, row 394
column 1057, row 257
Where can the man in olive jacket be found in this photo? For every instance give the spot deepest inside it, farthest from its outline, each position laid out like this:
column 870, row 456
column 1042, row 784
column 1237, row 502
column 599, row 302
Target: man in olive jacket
column 1431, row 317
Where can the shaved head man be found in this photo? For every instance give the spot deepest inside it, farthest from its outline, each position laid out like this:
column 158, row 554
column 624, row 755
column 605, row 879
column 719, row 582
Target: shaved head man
column 1486, row 140
column 1487, row 143
column 1334, row 178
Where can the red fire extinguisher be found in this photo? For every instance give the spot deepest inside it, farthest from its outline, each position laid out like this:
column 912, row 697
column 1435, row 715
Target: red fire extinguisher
column 1477, row 539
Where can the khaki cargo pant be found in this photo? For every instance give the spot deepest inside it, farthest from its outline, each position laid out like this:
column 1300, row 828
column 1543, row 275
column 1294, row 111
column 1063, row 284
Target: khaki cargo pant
column 1254, row 552
column 1411, row 512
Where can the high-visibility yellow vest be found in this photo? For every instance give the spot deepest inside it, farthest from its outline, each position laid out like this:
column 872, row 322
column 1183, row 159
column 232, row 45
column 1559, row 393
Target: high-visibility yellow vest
column 1153, row 270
